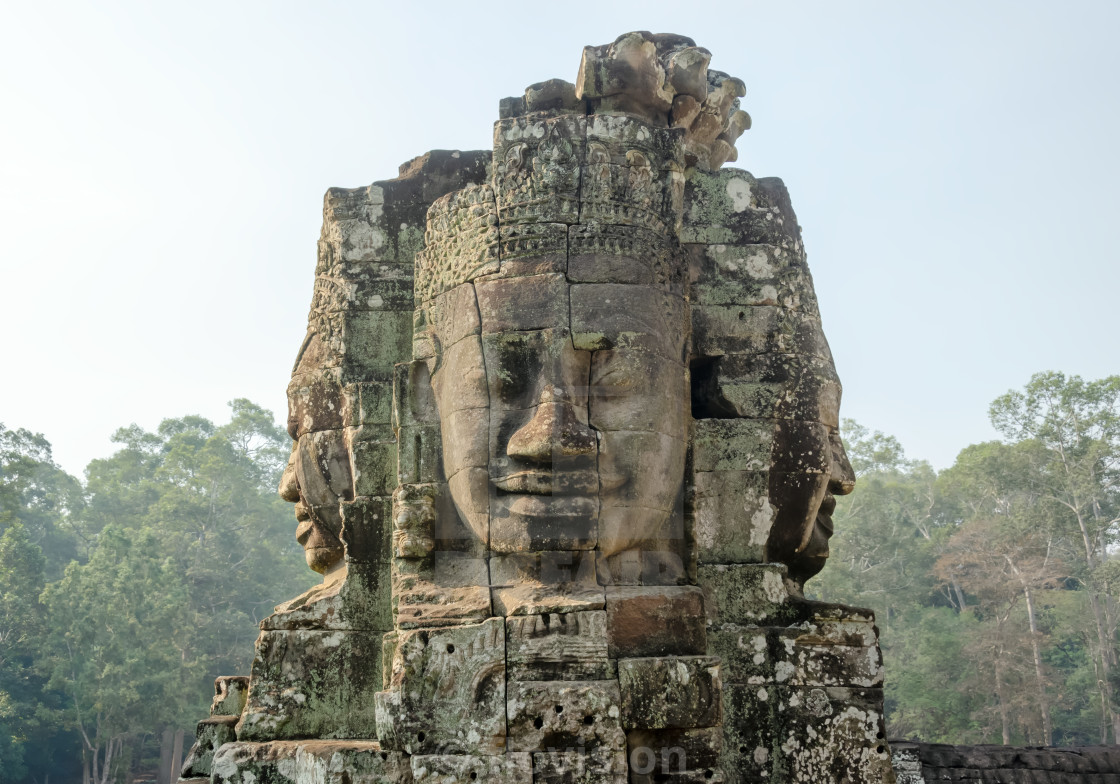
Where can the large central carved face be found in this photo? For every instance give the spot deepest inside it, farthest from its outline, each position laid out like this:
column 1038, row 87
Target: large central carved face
column 563, row 410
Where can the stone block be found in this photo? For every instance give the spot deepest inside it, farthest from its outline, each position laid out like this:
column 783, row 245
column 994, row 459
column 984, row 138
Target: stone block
column 756, row 329
column 638, row 391
column 558, row 646
column 674, row 755
column 801, row 663
column 419, row 454
column 730, row 206
column 375, row 403
column 527, row 150
column 230, row 692
column 357, row 286
column 374, row 465
column 375, row 341
column 598, row 766
column 447, row 691
column 746, row 594
column 660, row 560
column 564, row 716
column 670, row 692
column 750, row 275
column 453, row 315
column 317, row 684
column 426, row 177
column 768, row 386
column 744, row 652
column 533, row 249
column 210, row 735
column 463, row 769
column 453, row 594
column 522, row 304
column 461, row 368
column 732, row 444
column 354, row 597
column 832, row 734
column 545, row 582
column 782, row 656
column 731, row 516
column 646, row 454
column 611, row 315
column 367, row 529
column 750, row 732
column 300, row 761
column 600, row 253
column 318, row 401
column 655, row 621
column 466, row 440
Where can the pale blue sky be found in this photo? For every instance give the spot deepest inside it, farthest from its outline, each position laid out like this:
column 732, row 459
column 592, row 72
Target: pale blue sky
column 954, row 166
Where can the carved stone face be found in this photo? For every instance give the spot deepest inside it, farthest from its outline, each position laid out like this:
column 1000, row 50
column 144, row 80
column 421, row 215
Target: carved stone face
column 563, row 409
column 810, row 468
column 318, row 473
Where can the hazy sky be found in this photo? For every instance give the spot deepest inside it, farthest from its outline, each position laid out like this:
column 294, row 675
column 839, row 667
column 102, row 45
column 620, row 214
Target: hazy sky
column 954, row 166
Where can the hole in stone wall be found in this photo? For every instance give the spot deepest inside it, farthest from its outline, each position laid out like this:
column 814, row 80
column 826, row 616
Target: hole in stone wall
column 708, row 774
column 559, row 708
column 707, row 400
column 742, row 749
column 451, row 649
column 881, row 748
column 538, row 722
column 474, row 775
column 420, row 737
column 588, row 720
column 742, row 315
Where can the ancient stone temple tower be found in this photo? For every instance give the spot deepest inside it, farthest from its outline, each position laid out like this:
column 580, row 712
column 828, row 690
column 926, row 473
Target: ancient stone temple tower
column 566, row 450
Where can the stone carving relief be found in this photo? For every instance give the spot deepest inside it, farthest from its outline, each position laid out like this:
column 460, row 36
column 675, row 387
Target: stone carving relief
column 566, row 449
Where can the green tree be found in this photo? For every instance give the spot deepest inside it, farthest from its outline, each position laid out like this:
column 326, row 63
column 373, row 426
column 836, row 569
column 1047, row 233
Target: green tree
column 120, row 635
column 30, row 717
column 886, row 531
column 42, row 497
column 1072, row 430
column 191, row 548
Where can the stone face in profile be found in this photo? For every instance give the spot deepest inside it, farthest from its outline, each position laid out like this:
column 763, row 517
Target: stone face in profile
column 566, row 449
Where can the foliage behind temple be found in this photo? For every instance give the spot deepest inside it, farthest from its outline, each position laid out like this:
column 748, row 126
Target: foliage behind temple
column 155, row 575
column 995, row 581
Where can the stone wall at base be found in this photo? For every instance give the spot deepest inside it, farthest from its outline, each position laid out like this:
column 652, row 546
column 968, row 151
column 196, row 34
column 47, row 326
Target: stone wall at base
column 927, row 763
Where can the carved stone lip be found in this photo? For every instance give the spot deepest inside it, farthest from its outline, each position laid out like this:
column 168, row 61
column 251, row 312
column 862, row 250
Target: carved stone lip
column 541, row 482
column 824, row 514
column 303, row 530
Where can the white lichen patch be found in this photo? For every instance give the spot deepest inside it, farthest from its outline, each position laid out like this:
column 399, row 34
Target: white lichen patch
column 739, row 191
column 758, row 266
column 761, row 522
column 773, row 587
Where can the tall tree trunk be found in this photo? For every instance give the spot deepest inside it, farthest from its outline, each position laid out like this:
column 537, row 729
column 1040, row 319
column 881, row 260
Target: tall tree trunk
column 1043, row 700
column 1105, row 656
column 1003, row 715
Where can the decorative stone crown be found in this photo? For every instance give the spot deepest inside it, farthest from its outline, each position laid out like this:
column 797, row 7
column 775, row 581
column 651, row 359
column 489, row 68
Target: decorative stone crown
column 460, row 241
column 606, row 157
column 607, row 184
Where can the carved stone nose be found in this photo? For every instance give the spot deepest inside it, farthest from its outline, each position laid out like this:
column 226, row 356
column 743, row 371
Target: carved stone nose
column 554, row 431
